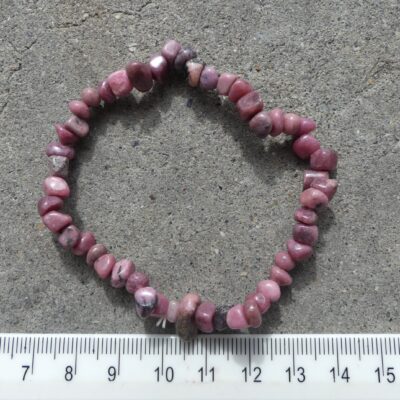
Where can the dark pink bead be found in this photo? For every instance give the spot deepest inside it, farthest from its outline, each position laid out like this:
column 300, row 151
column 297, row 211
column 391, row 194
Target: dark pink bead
column 291, row 124
column 145, row 301
column 238, row 89
column 225, row 81
column 307, row 125
column 69, row 237
column 249, row 105
column 280, row 276
column 284, row 261
column 170, row 51
column 252, row 313
column 263, row 302
column 306, row 216
column 161, row 308
column 208, row 78
column 140, row 76
column 159, row 68
column 78, row 126
column 106, row 93
column 204, row 317
column 270, row 289
column 104, row 265
column 96, row 251
column 276, row 116
column 183, row 57
column 305, row 145
column 85, row 243
column 324, row 160
column 194, row 71
column 79, row 108
column 261, row 124
column 121, row 272
column 310, row 175
column 49, row 203
column 65, row 136
column 56, row 221
column 235, row 317
column 119, row 83
column 56, row 186
column 91, row 97
column 305, row 234
column 327, row 186
column 298, row 251
column 57, row 149
column 136, row 281
column 313, row 198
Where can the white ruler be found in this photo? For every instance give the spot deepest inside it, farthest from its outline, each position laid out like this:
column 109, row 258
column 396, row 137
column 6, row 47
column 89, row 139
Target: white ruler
column 213, row 367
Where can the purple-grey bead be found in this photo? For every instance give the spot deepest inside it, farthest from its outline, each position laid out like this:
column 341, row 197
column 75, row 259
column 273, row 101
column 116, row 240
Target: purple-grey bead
column 220, row 318
column 182, row 57
column 145, row 301
column 58, row 166
column 208, row 78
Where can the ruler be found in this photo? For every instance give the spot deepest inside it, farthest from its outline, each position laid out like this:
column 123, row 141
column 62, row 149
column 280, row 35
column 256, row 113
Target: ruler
column 212, row 367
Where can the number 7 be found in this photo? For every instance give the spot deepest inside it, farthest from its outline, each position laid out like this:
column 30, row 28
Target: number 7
column 26, row 371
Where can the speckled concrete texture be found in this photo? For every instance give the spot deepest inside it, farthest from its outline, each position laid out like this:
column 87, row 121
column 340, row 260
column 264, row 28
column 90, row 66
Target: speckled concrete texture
column 175, row 181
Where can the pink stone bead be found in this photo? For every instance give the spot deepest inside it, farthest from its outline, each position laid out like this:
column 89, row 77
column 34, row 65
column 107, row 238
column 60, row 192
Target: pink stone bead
column 183, row 57
column 270, row 289
column 119, row 83
column 145, row 301
column 307, row 125
column 49, row 203
column 140, row 76
column 170, row 51
column 69, row 237
column 121, row 272
column 65, row 136
column 313, row 198
column 305, row 234
column 172, row 313
column 263, row 302
column 79, row 108
column 78, row 126
column 324, row 160
column 86, row 241
column 305, row 145
column 194, row 71
column 310, row 175
column 91, row 97
column 327, row 186
column 284, row 261
column 276, row 116
column 95, row 252
column 238, row 89
column 204, row 317
column 56, row 221
column 261, row 124
column 306, row 216
column 235, row 318
column 188, row 304
column 291, row 124
column 159, row 68
column 161, row 308
column 225, row 81
column 58, row 166
column 104, row 265
column 136, row 281
column 298, row 251
column 105, row 92
column 249, row 105
column 252, row 313
column 280, row 276
column 56, row 186
column 57, row 149
column 208, row 78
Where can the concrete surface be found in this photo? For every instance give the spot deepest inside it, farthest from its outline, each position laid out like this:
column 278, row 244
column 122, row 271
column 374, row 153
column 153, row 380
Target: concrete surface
column 176, row 182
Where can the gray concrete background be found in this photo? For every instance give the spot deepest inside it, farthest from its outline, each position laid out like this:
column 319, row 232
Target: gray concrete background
column 175, row 181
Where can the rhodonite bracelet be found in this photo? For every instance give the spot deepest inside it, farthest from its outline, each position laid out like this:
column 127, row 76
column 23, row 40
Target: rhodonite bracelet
column 190, row 313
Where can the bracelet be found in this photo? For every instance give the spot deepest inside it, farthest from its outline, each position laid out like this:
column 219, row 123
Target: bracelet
column 189, row 314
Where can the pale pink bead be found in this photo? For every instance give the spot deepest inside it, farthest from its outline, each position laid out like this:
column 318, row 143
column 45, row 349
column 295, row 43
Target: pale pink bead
column 225, row 81
column 249, row 105
column 238, row 89
column 78, row 126
column 170, row 51
column 58, row 166
column 204, row 317
column 208, row 78
column 49, row 203
column 327, row 186
column 306, row 216
column 291, row 124
column 104, row 265
column 280, row 276
column 57, row 149
column 310, row 175
column 161, row 308
column 91, row 97
column 194, row 70
column 305, row 145
column 145, row 301
column 172, row 313
column 56, row 186
column 94, row 253
column 263, row 302
column 305, row 234
column 120, row 272
column 284, row 261
column 65, row 136
column 56, row 221
column 105, row 92
column 79, row 108
column 261, row 124
column 324, row 160
column 307, row 125
column 69, row 237
column 140, row 76
column 235, row 317
column 313, row 198
column 276, row 116
column 119, row 83
column 159, row 67
column 136, row 281
column 252, row 313
column 188, row 304
column 270, row 289
column 86, row 241
column 298, row 251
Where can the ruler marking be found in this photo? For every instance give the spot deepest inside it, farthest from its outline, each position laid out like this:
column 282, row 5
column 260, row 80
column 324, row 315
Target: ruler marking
column 206, row 355
column 33, row 356
column 385, row 347
column 293, row 359
column 249, row 358
column 141, row 348
column 119, row 356
column 382, row 363
column 12, row 348
column 227, row 349
column 359, row 349
column 337, row 357
column 162, row 355
column 76, row 356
